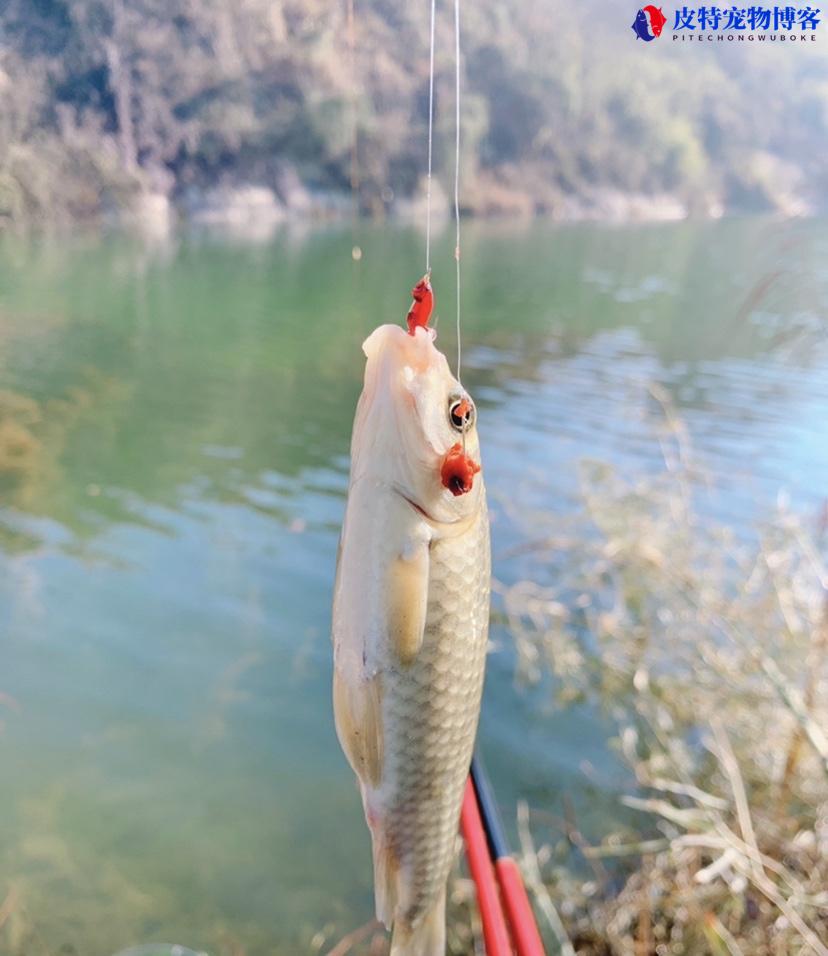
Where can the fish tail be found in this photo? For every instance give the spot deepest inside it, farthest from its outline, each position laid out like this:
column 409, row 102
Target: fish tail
column 427, row 937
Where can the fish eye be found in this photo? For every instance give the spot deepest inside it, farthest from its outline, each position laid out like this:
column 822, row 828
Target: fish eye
column 461, row 412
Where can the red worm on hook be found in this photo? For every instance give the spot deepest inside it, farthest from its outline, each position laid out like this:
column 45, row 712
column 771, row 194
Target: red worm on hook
column 458, row 471
column 422, row 306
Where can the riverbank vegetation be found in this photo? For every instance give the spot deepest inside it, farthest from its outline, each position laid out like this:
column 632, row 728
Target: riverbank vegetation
column 709, row 652
column 116, row 110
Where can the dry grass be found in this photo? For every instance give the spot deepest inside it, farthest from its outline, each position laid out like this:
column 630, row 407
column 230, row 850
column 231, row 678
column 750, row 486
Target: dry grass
column 709, row 650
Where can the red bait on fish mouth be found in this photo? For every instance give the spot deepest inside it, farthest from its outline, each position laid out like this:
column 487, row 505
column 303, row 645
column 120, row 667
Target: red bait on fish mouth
column 458, row 471
column 421, row 308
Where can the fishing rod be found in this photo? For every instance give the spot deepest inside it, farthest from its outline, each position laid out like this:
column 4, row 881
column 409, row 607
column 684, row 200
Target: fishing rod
column 509, row 923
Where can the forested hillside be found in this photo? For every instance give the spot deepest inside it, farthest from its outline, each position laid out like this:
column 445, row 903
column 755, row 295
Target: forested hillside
column 103, row 102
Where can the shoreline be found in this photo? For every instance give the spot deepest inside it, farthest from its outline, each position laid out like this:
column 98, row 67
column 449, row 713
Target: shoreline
column 258, row 213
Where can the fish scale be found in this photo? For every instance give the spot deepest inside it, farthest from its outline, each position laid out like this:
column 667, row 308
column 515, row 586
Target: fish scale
column 430, row 715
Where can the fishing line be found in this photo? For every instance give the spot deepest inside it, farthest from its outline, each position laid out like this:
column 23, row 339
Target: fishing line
column 457, row 185
column 430, row 137
column 356, row 250
column 457, row 171
column 351, row 28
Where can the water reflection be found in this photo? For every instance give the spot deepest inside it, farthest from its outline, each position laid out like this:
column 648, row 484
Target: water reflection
column 214, row 364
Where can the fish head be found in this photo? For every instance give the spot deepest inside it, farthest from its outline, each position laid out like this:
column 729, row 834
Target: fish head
column 415, row 428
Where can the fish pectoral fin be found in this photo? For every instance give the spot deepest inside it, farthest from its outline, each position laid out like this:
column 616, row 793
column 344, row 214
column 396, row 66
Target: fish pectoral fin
column 407, row 601
column 358, row 716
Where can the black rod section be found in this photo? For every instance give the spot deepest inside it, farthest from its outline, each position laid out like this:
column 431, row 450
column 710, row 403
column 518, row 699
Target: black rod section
column 492, row 822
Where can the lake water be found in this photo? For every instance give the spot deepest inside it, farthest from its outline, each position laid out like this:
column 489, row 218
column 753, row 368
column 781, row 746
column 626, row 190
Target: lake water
column 176, row 420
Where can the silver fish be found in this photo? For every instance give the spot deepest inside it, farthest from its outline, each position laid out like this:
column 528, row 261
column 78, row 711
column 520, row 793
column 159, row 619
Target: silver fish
column 410, row 623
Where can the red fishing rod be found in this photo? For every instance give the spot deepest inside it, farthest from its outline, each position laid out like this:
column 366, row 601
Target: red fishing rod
column 509, row 924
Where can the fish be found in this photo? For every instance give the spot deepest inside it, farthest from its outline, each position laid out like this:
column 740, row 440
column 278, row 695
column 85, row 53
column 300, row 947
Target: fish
column 410, row 623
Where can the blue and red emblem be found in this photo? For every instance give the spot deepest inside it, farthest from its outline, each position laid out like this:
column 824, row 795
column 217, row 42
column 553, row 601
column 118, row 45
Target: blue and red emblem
column 648, row 23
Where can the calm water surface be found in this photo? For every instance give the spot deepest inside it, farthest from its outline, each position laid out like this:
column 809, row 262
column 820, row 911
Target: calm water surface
column 174, row 427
